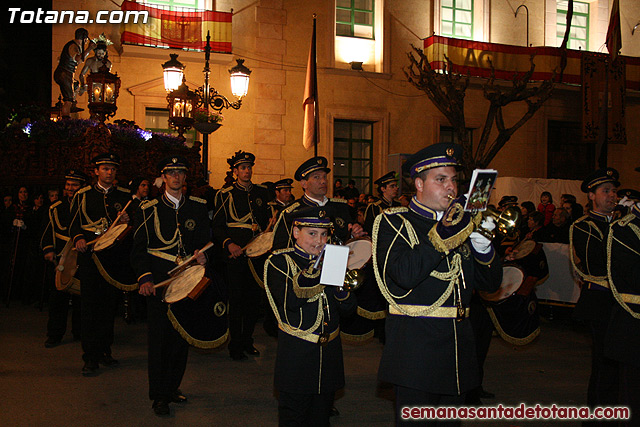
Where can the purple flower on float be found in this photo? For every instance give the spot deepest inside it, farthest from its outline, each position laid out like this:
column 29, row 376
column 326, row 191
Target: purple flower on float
column 146, row 134
column 27, row 128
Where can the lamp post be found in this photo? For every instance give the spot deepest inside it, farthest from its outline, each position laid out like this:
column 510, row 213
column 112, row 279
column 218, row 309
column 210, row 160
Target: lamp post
column 205, row 97
column 103, row 89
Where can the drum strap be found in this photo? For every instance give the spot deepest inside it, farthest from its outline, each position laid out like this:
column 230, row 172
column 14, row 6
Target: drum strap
column 311, row 337
column 62, row 237
column 239, row 225
column 438, row 313
column 162, row 255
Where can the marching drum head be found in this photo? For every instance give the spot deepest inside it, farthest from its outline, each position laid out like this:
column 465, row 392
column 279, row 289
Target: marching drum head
column 524, row 248
column 66, row 269
column 360, row 251
column 109, row 238
column 512, row 278
column 260, row 245
column 184, row 283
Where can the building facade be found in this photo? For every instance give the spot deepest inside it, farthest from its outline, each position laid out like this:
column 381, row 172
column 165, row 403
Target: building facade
column 370, row 116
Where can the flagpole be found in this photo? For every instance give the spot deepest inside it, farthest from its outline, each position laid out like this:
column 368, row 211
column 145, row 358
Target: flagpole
column 315, row 84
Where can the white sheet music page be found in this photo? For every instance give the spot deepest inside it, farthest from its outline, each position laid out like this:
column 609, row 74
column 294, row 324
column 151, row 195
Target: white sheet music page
column 334, row 265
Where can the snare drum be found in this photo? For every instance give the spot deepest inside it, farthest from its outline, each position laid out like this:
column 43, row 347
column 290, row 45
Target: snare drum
column 66, row 270
column 512, row 278
column 111, row 236
column 183, row 283
column 259, row 245
column 360, row 251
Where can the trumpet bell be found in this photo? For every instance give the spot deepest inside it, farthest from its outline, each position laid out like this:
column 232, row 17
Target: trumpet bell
column 353, row 279
column 507, row 222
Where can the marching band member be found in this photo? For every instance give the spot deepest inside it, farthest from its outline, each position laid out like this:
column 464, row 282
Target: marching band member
column 309, row 365
column 427, row 261
column 167, row 229
column 241, row 212
column 388, row 191
column 283, row 197
column 102, row 274
column 588, row 253
column 54, row 238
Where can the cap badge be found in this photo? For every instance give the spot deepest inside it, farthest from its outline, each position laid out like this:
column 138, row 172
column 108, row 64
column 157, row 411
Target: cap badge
column 174, row 160
column 450, row 152
column 321, row 214
column 609, row 172
column 319, row 161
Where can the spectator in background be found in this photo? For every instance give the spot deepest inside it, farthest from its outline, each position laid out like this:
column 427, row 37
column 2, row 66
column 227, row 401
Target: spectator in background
column 53, row 195
column 360, row 215
column 362, row 199
column 558, row 230
column 546, row 206
column 338, row 190
column 535, row 224
column 527, row 208
column 351, row 192
column 574, row 210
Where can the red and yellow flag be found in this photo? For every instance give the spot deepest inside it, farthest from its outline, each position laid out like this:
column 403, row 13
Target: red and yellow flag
column 177, row 29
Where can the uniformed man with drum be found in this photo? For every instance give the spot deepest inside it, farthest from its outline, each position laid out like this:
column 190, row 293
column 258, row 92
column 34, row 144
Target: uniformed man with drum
column 427, row 261
column 54, row 239
column 106, row 273
column 241, row 213
column 588, row 253
column 283, row 197
column 167, row 230
column 388, row 191
column 309, row 365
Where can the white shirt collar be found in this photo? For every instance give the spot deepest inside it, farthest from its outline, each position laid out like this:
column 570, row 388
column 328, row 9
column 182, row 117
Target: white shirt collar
column 175, row 201
column 320, row 203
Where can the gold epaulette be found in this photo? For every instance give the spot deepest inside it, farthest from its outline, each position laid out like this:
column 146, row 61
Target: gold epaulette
column 55, row 204
column 622, row 222
column 338, row 199
column 226, row 189
column 292, row 207
column 282, row 251
column 377, row 203
column 198, row 199
column 261, row 186
column 396, row 210
column 148, row 203
column 124, row 190
column 84, row 189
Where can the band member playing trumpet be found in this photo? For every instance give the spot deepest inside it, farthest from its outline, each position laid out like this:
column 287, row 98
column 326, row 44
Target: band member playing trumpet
column 54, row 238
column 427, row 261
column 309, row 366
column 167, row 230
column 241, row 212
column 106, row 273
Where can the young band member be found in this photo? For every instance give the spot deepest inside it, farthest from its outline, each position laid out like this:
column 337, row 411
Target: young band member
column 167, row 229
column 427, row 261
column 309, row 366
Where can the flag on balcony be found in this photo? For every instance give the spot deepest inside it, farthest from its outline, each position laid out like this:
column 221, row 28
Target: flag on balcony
column 614, row 37
column 310, row 102
column 176, row 29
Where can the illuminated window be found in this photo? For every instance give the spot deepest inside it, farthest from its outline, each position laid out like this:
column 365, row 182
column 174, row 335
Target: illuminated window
column 457, row 18
column 352, row 148
column 355, row 18
column 157, row 120
column 579, row 34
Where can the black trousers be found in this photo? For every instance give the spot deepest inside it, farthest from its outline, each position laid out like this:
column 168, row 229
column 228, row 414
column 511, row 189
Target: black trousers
column 630, row 392
column 99, row 303
column 298, row 410
column 168, row 351
column 409, row 397
column 603, row 383
column 59, row 312
column 244, row 304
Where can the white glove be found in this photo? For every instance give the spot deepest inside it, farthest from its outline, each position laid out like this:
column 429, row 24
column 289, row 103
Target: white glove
column 19, row 223
column 479, row 242
column 626, row 202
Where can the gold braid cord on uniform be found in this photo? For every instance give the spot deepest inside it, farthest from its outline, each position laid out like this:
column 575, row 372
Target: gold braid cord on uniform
column 599, row 280
column 292, row 271
column 620, row 297
column 455, row 269
column 194, row 341
column 111, row 280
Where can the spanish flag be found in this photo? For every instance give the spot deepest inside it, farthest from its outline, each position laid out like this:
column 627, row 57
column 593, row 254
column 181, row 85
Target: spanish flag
column 177, row 29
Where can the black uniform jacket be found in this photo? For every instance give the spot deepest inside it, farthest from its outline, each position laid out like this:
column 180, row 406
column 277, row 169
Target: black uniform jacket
column 588, row 252
column 623, row 336
column 297, row 299
column 56, row 230
column 428, row 353
column 92, row 211
column 336, row 209
column 277, row 207
column 240, row 214
column 161, row 233
column 374, row 209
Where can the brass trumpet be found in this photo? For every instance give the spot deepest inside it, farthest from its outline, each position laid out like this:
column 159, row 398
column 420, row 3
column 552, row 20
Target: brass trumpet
column 353, row 279
column 507, row 222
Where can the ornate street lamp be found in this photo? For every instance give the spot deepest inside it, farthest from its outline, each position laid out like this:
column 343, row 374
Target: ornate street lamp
column 103, row 89
column 206, row 97
column 173, row 71
column 182, row 105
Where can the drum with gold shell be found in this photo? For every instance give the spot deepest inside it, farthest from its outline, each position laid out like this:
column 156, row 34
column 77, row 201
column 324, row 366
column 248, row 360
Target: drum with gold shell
column 66, row 270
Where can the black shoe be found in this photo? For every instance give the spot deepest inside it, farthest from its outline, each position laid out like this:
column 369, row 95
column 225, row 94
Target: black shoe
column 484, row 394
column 161, row 407
column 334, row 412
column 107, row 360
column 90, row 369
column 52, row 342
column 238, row 355
column 178, row 397
column 251, row 350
